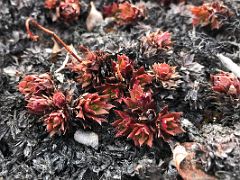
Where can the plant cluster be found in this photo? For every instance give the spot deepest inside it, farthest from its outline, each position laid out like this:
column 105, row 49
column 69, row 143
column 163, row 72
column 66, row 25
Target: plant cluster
column 114, row 83
column 68, row 10
column 106, row 81
column 44, row 99
column 140, row 121
column 56, row 106
column 210, row 14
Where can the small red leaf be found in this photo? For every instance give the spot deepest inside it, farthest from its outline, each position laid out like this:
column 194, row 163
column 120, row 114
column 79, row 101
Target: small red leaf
column 141, row 134
column 94, row 107
column 168, row 122
column 59, row 99
column 226, row 83
column 56, row 122
column 39, row 104
column 36, row 84
column 163, row 71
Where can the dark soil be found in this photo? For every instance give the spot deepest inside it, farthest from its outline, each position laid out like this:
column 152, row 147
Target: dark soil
column 27, row 151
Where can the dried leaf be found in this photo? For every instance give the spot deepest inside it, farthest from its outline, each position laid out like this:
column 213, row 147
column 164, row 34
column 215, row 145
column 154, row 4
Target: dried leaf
column 56, row 48
column 94, row 18
column 183, row 158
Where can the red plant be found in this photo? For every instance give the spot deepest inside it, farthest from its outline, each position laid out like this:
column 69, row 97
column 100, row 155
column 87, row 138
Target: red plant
column 89, row 67
column 128, row 13
column 56, row 122
column 139, row 119
column 59, row 99
column 125, row 13
column 112, row 91
column 123, row 125
column 226, row 83
column 163, row 71
column 167, row 123
column 85, row 79
column 143, row 125
column 33, row 84
column 141, row 77
column 143, row 131
column 128, row 126
column 69, row 10
column 110, row 10
column 50, row 4
column 84, row 73
column 139, row 100
column 135, row 121
column 167, row 76
column 39, row 104
column 209, row 14
column 141, row 134
column 123, row 68
column 160, row 40
column 94, row 107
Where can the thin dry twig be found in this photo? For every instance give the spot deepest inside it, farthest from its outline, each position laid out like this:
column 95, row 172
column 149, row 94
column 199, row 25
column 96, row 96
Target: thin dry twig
column 51, row 33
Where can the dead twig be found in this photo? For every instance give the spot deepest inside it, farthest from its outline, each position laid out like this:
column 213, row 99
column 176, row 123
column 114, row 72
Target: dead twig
column 51, row 33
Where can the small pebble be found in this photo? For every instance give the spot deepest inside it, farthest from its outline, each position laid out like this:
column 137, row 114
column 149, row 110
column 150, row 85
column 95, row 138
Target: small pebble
column 87, row 138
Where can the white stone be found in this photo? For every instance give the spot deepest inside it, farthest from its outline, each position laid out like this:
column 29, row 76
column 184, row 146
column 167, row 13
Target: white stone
column 87, row 138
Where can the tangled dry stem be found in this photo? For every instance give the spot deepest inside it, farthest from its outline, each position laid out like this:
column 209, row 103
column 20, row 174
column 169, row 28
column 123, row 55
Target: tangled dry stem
column 51, row 33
